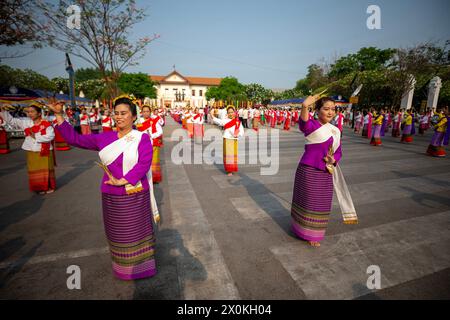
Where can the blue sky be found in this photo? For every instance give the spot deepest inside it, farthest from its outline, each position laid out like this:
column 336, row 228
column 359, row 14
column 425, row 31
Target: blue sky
column 262, row 41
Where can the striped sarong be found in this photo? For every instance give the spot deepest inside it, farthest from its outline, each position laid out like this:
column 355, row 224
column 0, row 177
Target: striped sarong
column 406, row 134
column 230, row 155
column 376, row 138
column 311, row 203
column 4, row 143
column 256, row 124
column 41, row 171
column 128, row 227
column 422, row 128
column 156, row 165
column 198, row 132
column 190, row 129
column 287, row 124
column 395, row 130
column 436, row 148
column 365, row 130
column 85, row 129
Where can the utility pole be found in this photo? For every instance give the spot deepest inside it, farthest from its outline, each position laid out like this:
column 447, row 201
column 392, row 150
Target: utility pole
column 69, row 69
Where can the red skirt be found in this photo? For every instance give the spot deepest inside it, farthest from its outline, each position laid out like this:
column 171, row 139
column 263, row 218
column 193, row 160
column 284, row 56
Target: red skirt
column 4, row 143
column 85, row 129
column 375, row 141
column 407, row 138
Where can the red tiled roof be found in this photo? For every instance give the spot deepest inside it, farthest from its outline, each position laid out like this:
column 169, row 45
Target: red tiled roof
column 191, row 80
column 156, row 78
column 204, row 81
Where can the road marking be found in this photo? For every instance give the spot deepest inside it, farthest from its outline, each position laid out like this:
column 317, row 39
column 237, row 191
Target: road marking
column 404, row 250
column 55, row 257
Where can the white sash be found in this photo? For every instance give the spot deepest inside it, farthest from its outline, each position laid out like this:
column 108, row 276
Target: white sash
column 321, row 135
column 128, row 146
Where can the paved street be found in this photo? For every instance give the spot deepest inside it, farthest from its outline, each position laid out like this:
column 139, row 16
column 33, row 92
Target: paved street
column 229, row 237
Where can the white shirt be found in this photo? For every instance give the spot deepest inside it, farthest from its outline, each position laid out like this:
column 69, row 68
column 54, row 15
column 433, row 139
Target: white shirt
column 93, row 117
column 366, row 119
column 84, row 122
column 158, row 133
column 229, row 133
column 245, row 114
column 240, row 112
column 189, row 117
column 160, row 121
column 424, row 119
column 30, row 144
column 199, row 120
column 222, row 114
column 107, row 124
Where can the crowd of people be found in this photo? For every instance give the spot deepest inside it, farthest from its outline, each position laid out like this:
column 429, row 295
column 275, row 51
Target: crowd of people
column 129, row 138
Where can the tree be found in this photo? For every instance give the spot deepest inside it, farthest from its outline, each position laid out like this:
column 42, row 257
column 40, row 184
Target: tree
column 315, row 78
column 423, row 62
column 92, row 88
column 138, row 84
column 370, row 58
column 229, row 89
column 19, row 25
column 27, row 79
column 103, row 39
column 84, row 74
column 257, row 93
column 61, row 84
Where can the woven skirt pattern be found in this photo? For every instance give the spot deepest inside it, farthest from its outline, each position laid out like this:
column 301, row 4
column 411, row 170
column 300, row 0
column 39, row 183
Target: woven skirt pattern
column 4, row 143
column 156, row 165
column 311, row 203
column 129, row 229
column 406, row 134
column 230, row 155
column 436, row 148
column 376, row 138
column 41, row 172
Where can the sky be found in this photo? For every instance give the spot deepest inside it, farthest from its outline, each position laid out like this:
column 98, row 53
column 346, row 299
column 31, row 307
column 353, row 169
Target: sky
column 262, row 41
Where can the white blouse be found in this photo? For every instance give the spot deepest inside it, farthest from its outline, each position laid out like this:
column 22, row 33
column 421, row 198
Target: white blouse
column 30, row 143
column 229, row 133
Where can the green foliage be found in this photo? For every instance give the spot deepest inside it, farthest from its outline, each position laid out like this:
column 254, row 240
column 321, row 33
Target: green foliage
column 257, row 93
column 138, row 84
column 384, row 74
column 61, row 84
column 84, row 74
column 27, row 78
column 289, row 94
column 365, row 59
column 93, row 88
column 229, row 89
column 315, row 79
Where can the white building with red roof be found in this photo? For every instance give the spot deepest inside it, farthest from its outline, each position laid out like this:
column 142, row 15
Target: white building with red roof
column 176, row 90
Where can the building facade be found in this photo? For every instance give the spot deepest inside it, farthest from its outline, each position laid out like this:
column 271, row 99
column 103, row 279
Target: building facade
column 176, row 90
